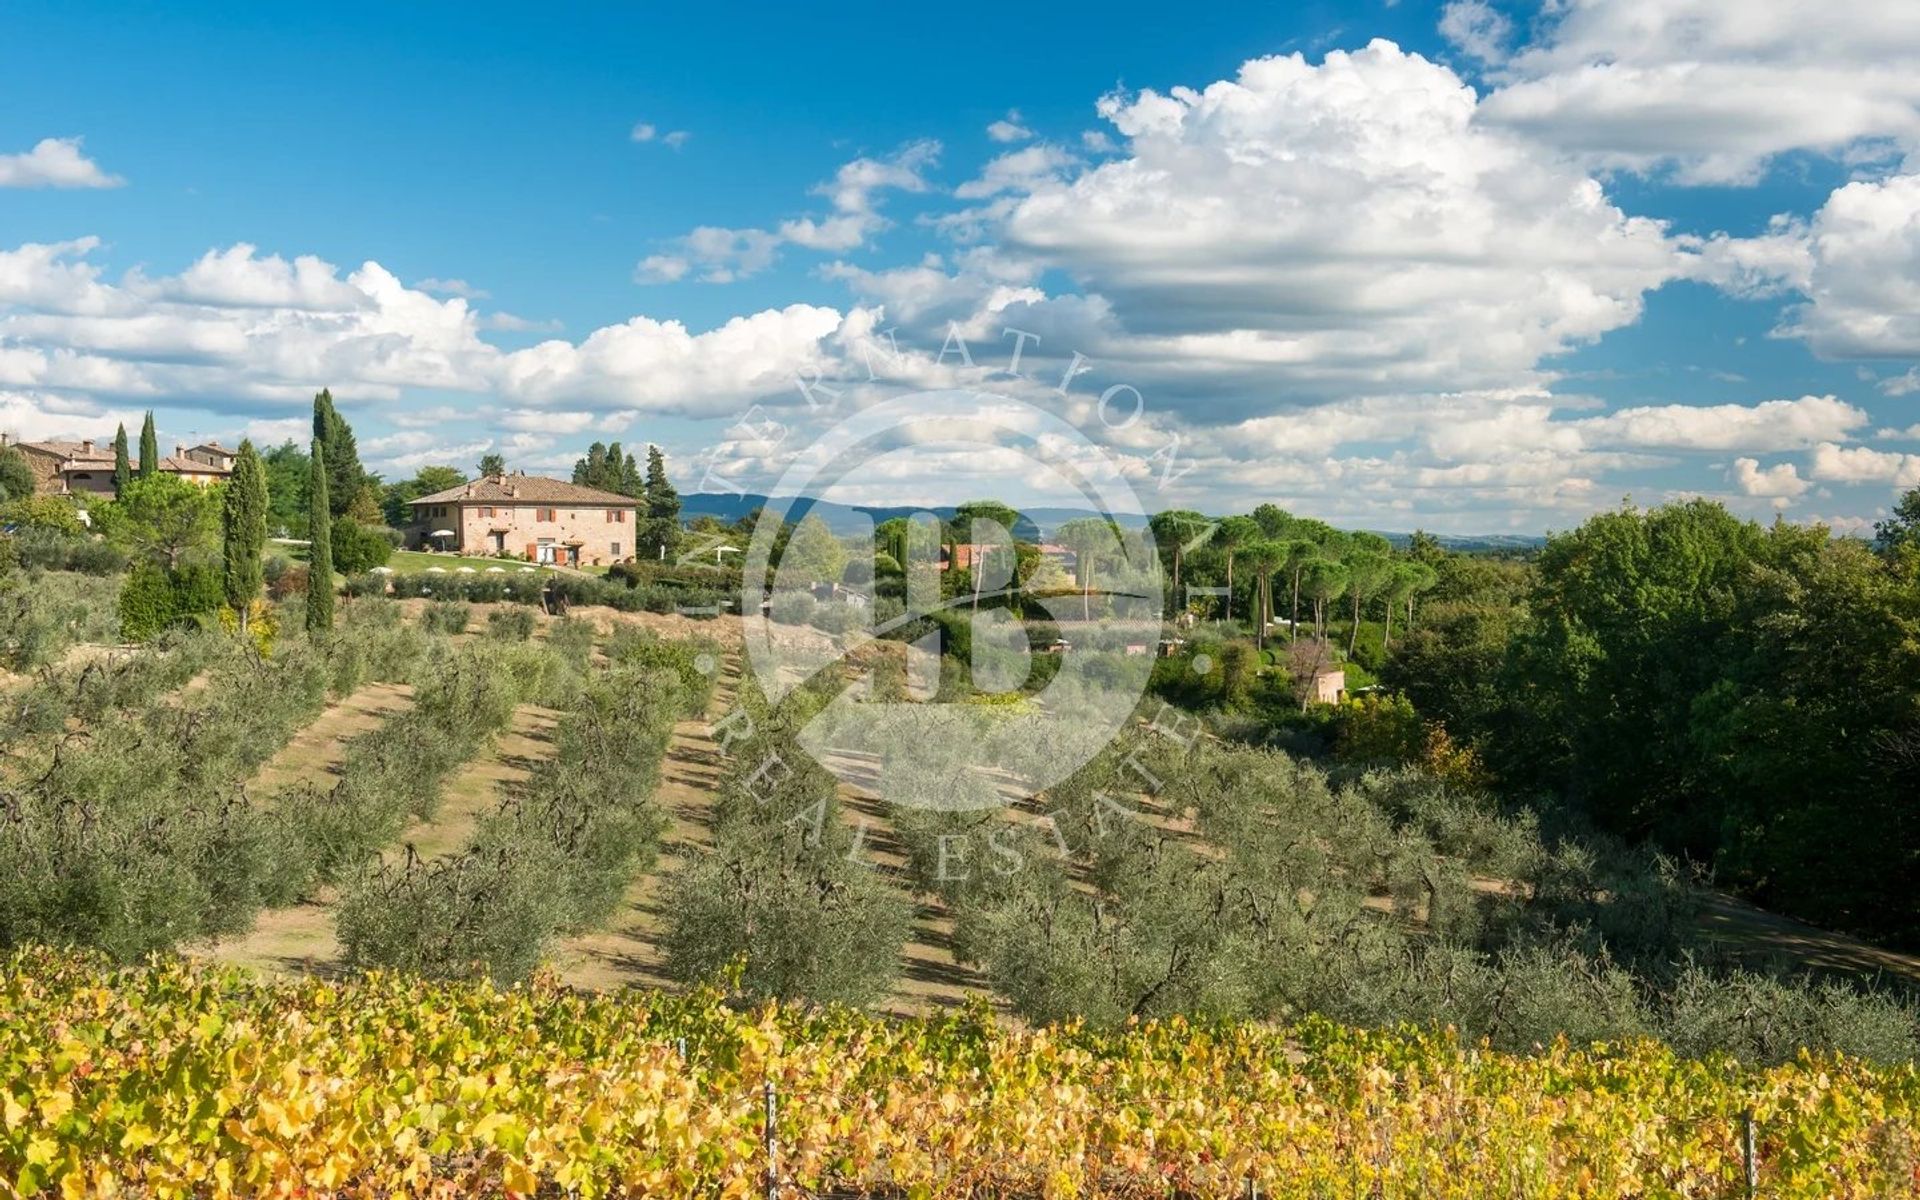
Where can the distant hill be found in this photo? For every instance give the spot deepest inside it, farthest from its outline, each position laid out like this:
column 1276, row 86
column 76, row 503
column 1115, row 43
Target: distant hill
column 844, row 518
column 848, row 518
column 1475, row 543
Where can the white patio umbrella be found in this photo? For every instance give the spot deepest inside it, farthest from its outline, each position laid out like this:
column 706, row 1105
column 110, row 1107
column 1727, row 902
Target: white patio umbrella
column 436, row 570
column 496, row 570
column 383, row 570
column 527, row 570
column 468, row 571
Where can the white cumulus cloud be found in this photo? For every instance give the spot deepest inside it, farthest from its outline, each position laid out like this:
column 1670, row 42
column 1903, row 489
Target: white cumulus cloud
column 1009, row 128
column 1715, row 89
column 1340, row 228
column 1779, row 482
column 1477, row 28
column 1863, row 464
column 54, row 163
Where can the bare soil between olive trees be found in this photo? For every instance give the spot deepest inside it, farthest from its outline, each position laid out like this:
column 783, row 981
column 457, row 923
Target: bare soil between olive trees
column 627, row 952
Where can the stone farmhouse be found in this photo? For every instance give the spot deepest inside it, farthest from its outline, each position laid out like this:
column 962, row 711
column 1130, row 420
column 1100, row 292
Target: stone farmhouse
column 85, row 468
column 528, row 516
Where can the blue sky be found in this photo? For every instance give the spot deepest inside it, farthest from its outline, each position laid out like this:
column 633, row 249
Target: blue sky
column 1496, row 269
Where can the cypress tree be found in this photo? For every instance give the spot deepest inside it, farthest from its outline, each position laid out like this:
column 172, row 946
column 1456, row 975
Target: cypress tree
column 244, row 532
column 344, row 477
column 663, row 502
column 659, row 529
column 588, row 471
column 149, row 448
column 319, row 545
column 122, row 466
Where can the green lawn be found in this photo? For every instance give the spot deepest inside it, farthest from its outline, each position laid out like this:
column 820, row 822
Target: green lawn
column 410, row 562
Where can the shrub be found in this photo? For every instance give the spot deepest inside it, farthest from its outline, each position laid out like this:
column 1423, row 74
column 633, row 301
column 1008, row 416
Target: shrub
column 138, row 836
column 572, row 638
column 484, row 588
column 693, row 662
column 1379, row 728
column 478, row 915
column 359, row 548
column 289, row 583
column 52, row 550
column 524, row 589
column 408, row 587
column 837, row 618
column 44, row 612
column 792, row 608
column 147, row 603
column 447, row 616
column 510, row 624
column 370, row 583
column 556, row 858
column 782, row 888
column 263, row 624
column 197, row 591
column 54, row 514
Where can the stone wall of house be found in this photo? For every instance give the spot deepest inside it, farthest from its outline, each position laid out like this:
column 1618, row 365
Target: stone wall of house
column 605, row 535
column 46, row 469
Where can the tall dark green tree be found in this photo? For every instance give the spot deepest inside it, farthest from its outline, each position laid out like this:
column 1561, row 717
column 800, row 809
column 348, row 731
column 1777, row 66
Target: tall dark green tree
column 589, row 471
column 243, row 527
column 663, row 502
column 344, row 476
column 627, row 477
column 610, row 469
column 493, row 464
column 122, row 464
column 659, row 529
column 319, row 544
column 149, row 448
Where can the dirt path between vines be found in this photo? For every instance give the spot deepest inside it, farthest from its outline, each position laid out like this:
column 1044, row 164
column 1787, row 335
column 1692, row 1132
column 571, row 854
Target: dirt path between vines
column 314, row 755
column 629, row 953
column 301, row 939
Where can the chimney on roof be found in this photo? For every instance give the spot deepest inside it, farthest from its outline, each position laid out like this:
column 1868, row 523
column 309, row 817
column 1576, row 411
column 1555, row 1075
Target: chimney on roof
column 6, row 439
column 179, row 451
column 86, row 447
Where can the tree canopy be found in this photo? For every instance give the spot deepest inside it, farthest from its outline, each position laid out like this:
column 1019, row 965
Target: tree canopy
column 345, row 479
column 244, row 532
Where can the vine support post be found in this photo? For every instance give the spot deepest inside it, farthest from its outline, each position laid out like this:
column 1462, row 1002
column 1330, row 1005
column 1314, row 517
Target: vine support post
column 772, row 1147
column 1749, row 1154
